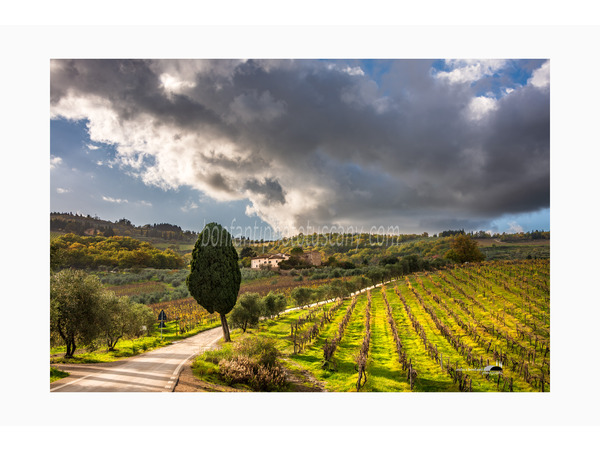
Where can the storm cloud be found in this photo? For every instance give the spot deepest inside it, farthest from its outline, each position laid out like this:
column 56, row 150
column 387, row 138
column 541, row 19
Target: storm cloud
column 416, row 144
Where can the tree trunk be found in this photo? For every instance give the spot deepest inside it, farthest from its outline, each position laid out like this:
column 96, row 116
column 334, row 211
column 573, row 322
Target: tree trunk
column 225, row 328
column 70, row 348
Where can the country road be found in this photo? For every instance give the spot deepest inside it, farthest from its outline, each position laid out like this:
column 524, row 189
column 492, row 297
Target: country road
column 155, row 371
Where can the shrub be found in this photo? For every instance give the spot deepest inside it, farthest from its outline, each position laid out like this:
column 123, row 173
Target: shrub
column 243, row 369
column 260, row 349
column 253, row 361
column 318, row 276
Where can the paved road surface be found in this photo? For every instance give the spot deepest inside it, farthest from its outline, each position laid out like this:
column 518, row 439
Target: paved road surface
column 155, row 371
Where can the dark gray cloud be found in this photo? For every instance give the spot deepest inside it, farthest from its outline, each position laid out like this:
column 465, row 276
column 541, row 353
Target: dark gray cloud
column 270, row 190
column 326, row 141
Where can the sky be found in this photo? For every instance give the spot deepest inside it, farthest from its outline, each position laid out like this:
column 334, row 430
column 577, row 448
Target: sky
column 286, row 146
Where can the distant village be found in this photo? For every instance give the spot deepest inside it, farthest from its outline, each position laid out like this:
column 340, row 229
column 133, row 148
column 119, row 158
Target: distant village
column 272, row 261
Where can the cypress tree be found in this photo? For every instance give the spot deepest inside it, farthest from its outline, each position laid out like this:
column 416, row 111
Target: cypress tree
column 215, row 277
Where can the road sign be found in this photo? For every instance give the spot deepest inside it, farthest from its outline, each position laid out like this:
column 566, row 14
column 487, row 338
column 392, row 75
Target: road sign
column 162, row 316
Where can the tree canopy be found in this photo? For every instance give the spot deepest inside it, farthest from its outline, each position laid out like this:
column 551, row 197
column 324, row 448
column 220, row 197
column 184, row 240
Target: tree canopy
column 75, row 308
column 247, row 311
column 301, row 295
column 122, row 317
column 247, row 252
column 81, row 311
column 464, row 249
column 82, row 252
column 215, row 277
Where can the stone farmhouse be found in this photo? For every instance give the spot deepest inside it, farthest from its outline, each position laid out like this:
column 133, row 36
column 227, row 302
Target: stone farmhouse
column 313, row 258
column 268, row 260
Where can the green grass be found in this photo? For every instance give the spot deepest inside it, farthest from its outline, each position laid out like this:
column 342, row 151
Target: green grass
column 128, row 347
column 430, row 377
column 509, row 251
column 206, row 365
column 384, row 372
column 56, row 374
column 343, row 377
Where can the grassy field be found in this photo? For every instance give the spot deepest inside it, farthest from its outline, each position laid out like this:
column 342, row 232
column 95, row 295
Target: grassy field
column 129, row 347
column 495, row 250
column 451, row 324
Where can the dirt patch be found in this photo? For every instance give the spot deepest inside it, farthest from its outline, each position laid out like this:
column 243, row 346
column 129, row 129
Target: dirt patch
column 302, row 380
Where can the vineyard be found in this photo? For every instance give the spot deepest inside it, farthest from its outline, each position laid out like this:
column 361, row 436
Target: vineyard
column 187, row 314
column 134, row 289
column 472, row 328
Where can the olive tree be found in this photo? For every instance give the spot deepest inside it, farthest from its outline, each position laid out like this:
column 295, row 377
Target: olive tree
column 76, row 312
column 301, row 295
column 123, row 318
column 82, row 310
column 215, row 277
column 247, row 311
column 273, row 304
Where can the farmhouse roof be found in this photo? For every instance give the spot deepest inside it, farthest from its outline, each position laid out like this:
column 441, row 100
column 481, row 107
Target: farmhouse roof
column 277, row 256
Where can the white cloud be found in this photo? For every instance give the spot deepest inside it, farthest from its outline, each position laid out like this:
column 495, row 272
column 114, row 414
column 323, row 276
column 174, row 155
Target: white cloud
column 55, row 161
column 353, row 71
column 190, row 205
column 174, row 85
column 540, row 77
column 114, row 200
column 144, row 203
column 469, row 70
column 63, row 190
column 514, row 227
column 92, row 147
column 479, row 107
